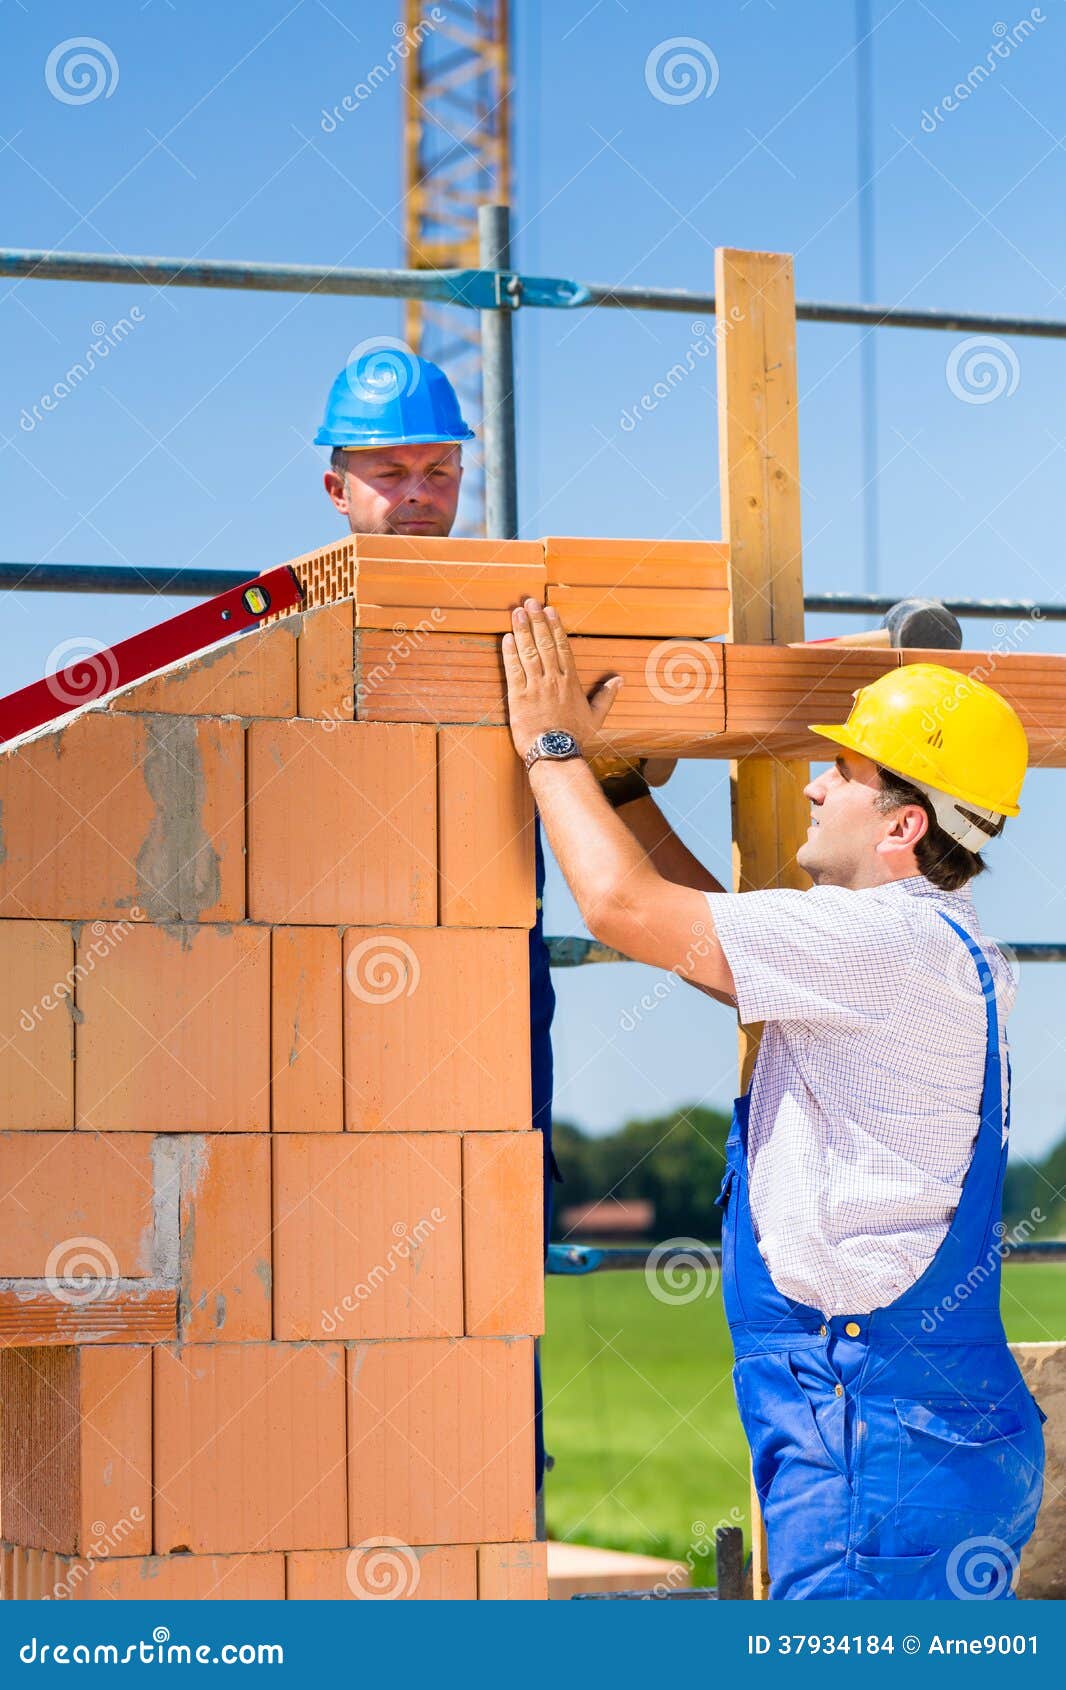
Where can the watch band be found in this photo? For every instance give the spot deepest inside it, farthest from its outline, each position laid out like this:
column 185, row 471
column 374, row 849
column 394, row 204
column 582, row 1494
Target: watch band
column 625, row 787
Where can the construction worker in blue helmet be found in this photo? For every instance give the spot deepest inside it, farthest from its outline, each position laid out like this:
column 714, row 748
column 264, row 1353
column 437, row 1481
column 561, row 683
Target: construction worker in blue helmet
column 396, row 431
column 896, row 1447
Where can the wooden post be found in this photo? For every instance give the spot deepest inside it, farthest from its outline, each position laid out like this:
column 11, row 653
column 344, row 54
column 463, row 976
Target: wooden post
column 758, row 448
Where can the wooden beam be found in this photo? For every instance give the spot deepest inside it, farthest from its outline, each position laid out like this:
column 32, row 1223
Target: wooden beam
column 758, row 454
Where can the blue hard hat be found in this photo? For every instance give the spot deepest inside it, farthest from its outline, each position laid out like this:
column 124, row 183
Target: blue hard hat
column 388, row 396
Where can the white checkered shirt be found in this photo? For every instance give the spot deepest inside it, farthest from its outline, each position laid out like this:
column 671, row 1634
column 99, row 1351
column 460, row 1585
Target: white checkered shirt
column 866, row 1093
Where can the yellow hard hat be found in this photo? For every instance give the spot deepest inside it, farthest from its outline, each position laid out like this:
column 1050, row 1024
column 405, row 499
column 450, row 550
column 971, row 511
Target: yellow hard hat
column 951, row 736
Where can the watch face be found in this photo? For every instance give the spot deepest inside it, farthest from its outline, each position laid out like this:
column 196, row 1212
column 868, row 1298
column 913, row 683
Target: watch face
column 556, row 743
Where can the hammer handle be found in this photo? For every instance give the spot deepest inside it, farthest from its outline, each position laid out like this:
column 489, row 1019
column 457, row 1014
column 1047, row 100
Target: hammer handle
column 874, row 637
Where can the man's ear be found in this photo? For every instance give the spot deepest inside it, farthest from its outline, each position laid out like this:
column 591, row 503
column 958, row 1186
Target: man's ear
column 337, row 487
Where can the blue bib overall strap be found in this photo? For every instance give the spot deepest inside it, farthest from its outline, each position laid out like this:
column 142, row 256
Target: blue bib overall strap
column 541, row 1009
column 896, row 1453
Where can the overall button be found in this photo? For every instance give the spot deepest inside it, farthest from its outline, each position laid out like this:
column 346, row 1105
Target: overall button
column 822, row 1330
column 838, row 1390
column 853, row 1329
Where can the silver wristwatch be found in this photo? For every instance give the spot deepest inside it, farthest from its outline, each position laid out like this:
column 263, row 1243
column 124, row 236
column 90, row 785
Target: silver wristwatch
column 556, row 745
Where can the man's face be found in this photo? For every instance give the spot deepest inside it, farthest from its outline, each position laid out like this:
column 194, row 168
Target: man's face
column 850, row 842
column 398, row 489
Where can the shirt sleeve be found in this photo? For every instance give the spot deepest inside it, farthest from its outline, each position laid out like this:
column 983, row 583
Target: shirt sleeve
column 827, row 955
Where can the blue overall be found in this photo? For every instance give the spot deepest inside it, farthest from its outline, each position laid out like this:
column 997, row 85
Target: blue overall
column 541, row 1009
column 899, row 1453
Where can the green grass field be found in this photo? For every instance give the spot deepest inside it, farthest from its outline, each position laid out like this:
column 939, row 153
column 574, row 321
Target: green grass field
column 640, row 1417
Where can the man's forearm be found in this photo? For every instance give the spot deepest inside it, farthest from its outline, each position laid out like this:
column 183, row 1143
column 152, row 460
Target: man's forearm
column 673, row 860
column 599, row 855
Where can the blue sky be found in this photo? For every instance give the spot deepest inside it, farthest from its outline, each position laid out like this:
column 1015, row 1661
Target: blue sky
column 191, row 443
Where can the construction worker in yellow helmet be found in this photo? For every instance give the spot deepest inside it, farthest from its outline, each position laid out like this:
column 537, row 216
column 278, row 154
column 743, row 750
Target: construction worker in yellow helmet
column 896, row 1449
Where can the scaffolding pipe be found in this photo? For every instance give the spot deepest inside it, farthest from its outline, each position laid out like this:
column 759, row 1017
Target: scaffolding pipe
column 471, row 288
column 182, row 582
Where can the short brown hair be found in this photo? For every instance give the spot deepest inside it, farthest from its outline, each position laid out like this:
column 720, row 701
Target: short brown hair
column 940, row 858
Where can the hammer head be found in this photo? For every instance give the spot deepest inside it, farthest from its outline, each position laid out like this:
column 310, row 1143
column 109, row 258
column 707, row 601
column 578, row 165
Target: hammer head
column 923, row 622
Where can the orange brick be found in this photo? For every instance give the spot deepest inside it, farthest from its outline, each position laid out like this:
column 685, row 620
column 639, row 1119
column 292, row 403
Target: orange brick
column 503, row 1232
column 342, row 822
column 174, row 1034
column 79, row 1189
column 447, row 585
column 307, row 1082
column 426, row 619
column 665, row 612
column 75, row 1448
column 436, row 1029
column 254, row 675
column 36, row 1029
column 225, row 1239
column 326, row 684
column 385, row 1572
column 116, row 813
column 512, row 1572
column 441, row 1440
column 33, row 1574
column 487, row 871
column 581, row 562
column 367, row 1239
column 186, row 1578
column 454, row 549
column 249, row 1447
